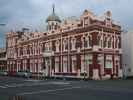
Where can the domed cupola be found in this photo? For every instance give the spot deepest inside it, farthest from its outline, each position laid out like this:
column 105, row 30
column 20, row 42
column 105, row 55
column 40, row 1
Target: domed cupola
column 53, row 21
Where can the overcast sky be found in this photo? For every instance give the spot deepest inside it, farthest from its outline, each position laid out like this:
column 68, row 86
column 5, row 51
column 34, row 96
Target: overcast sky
column 33, row 13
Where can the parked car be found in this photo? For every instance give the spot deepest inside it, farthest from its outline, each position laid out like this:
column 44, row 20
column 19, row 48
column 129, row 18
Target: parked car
column 3, row 73
column 12, row 73
column 24, row 74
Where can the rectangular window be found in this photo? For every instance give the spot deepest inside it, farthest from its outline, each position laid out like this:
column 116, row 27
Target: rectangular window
column 56, row 64
column 109, row 64
column 65, row 64
column 74, row 64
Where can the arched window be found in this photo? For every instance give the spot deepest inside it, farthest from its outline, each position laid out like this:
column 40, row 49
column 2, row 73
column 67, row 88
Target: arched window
column 89, row 40
column 57, row 45
column 49, row 27
column 74, row 64
column 110, row 41
column 101, row 41
column 73, row 43
column 65, row 45
column 46, row 47
column 57, row 64
column 105, row 41
column 83, row 40
column 52, row 26
column 65, row 63
column 116, row 42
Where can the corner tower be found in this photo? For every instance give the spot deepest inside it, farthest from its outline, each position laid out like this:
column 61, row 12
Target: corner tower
column 53, row 21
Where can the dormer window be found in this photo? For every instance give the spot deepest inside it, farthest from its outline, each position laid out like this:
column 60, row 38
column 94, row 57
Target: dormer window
column 86, row 21
column 108, row 19
column 84, row 42
column 88, row 39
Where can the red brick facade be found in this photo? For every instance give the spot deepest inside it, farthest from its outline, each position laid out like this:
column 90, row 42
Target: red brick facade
column 86, row 48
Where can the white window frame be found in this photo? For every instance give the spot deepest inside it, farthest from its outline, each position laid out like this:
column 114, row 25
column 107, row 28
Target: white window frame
column 73, row 43
column 56, row 64
column 57, row 46
column 109, row 62
column 74, row 61
column 65, row 63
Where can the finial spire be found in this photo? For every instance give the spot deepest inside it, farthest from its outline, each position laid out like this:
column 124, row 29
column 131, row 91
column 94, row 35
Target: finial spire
column 53, row 8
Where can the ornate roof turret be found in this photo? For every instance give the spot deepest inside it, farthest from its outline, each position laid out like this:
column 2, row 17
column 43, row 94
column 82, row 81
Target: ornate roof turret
column 53, row 16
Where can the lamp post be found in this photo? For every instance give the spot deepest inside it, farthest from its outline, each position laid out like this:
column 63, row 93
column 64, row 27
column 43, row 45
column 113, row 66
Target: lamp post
column 84, row 57
column 78, row 53
column 124, row 71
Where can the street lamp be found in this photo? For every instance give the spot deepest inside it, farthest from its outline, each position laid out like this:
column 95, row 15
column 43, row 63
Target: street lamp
column 2, row 24
column 124, row 71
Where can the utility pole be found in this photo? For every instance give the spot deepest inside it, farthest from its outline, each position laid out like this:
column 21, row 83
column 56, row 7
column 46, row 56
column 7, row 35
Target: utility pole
column 84, row 58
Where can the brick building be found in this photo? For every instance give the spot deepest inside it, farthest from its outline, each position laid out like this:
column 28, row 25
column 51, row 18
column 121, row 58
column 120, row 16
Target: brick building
column 84, row 47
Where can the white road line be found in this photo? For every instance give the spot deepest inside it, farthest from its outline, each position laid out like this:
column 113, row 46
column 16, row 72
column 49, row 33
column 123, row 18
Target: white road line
column 47, row 91
column 34, row 84
column 2, row 87
column 61, row 83
column 26, row 84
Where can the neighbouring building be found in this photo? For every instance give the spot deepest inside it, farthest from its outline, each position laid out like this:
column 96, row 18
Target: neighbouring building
column 3, row 59
column 85, row 47
column 127, row 46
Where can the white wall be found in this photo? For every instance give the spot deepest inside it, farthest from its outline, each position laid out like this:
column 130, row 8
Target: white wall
column 127, row 46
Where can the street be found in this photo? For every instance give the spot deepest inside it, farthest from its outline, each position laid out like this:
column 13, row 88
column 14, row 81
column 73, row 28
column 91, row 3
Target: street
column 31, row 89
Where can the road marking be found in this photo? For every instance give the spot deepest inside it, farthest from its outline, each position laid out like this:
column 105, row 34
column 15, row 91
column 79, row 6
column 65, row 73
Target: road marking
column 2, row 87
column 47, row 91
column 33, row 84
column 60, row 83
column 25, row 84
column 32, row 80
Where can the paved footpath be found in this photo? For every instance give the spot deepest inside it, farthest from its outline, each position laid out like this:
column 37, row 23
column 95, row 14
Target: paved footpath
column 31, row 89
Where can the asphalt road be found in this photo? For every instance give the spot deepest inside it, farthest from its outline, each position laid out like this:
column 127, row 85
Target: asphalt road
column 30, row 89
